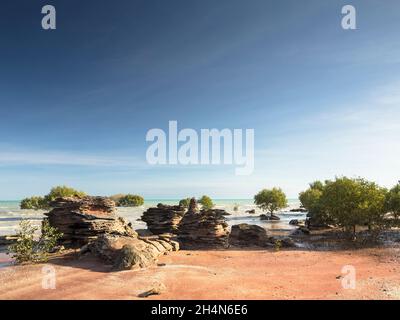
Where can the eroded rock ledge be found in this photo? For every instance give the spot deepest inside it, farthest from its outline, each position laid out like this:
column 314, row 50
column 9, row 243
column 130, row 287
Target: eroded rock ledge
column 203, row 229
column 248, row 235
column 127, row 253
column 163, row 218
column 82, row 220
column 93, row 223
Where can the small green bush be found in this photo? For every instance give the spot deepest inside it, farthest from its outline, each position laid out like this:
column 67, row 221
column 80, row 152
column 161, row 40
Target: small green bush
column 206, row 202
column 34, row 203
column 27, row 249
column 43, row 203
column 130, row 200
column 278, row 245
column 185, row 203
column 311, row 200
column 63, row 191
column 393, row 202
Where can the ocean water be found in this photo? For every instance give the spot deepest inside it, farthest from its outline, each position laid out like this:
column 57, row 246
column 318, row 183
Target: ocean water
column 11, row 215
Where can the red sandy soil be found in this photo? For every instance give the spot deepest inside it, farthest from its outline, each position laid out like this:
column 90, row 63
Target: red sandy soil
column 231, row 274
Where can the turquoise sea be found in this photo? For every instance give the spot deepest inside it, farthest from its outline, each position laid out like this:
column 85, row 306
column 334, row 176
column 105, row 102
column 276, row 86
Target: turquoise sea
column 11, row 214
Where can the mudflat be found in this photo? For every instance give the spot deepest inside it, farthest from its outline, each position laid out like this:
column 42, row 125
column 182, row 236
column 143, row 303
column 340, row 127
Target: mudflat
column 224, row 274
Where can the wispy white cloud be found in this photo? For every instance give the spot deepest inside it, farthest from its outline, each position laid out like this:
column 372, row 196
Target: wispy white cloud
column 359, row 138
column 37, row 157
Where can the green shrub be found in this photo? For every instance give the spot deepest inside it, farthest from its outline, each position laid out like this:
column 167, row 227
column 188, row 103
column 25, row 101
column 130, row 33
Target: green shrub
column 34, row 203
column 278, row 245
column 63, row 191
column 43, row 203
column 310, row 200
column 130, row 200
column 206, row 202
column 271, row 200
column 354, row 202
column 349, row 203
column 393, row 202
column 27, row 249
column 185, row 202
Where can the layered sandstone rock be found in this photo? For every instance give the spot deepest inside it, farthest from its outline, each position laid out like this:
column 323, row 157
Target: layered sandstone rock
column 248, row 235
column 163, row 218
column 82, row 220
column 127, row 253
column 203, row 229
column 93, row 222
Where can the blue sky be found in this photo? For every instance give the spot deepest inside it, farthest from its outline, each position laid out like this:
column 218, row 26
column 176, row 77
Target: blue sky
column 76, row 102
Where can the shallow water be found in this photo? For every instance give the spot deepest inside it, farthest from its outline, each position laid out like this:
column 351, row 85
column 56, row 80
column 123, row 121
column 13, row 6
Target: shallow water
column 11, row 215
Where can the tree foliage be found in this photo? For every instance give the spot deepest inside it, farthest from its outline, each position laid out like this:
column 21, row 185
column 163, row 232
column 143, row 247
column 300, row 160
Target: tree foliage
column 310, row 200
column 43, row 203
column 393, row 201
column 34, row 203
column 347, row 203
column 271, row 200
column 28, row 249
column 206, row 202
column 352, row 202
column 185, row 202
column 130, row 200
column 63, row 191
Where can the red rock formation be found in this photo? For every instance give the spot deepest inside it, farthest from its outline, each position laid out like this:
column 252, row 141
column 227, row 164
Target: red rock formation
column 93, row 222
column 82, row 220
column 204, row 229
column 163, row 219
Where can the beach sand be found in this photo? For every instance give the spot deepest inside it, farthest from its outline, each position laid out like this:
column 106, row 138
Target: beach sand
column 227, row 274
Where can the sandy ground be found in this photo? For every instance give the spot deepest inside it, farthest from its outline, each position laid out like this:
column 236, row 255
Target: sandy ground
column 231, row 274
